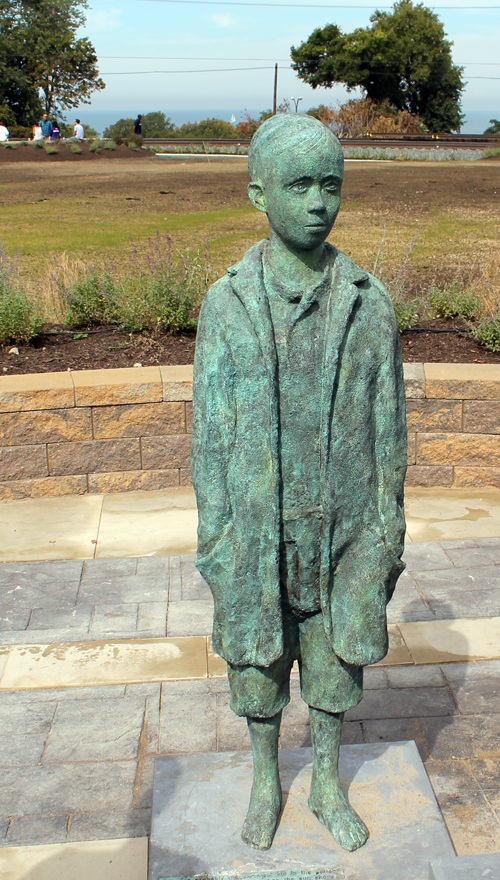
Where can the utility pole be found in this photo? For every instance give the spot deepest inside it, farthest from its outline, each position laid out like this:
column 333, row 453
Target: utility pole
column 275, row 88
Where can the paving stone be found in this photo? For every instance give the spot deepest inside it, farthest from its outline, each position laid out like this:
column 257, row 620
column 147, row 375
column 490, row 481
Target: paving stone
column 36, row 830
column 77, row 618
column 425, row 556
column 190, row 618
column 466, row 868
column 117, row 567
column 459, row 672
column 409, row 702
column 375, row 678
column 170, row 690
column 146, row 689
column 54, row 594
column 444, row 582
column 128, row 589
column 95, row 731
column 143, row 794
column 106, row 826
column 14, row 620
column 461, row 736
column 415, row 676
column 451, row 777
column 193, row 585
column 232, row 731
column 295, row 736
column 53, row 695
column 463, row 544
column 72, row 788
column 38, row 574
column 4, row 827
column 150, row 736
column 175, row 582
column 488, row 602
column 471, row 823
column 18, row 750
column 188, row 725
column 487, row 773
column 397, row 730
column 110, row 620
column 152, row 618
column 19, row 718
column 478, row 696
column 157, row 567
column 472, row 558
column 218, row 686
column 402, row 608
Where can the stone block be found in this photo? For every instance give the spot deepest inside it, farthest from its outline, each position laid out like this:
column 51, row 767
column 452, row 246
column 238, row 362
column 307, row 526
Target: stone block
column 482, row 417
column 177, row 382
column 451, row 778
column 458, row 449
column 110, row 621
column 462, row 736
column 189, row 416
column 69, row 787
column 471, row 822
column 186, row 478
column 188, row 725
column 426, row 556
column 200, row 803
column 232, row 730
column 412, row 447
column 132, row 481
column 193, row 618
column 43, row 487
column 466, row 867
column 76, row 620
column 27, row 428
column 95, row 731
column 109, row 826
column 405, row 702
column 476, row 478
column 415, row 676
column 138, row 420
column 472, row 557
column 397, row 729
column 21, row 462
column 123, row 591
column 45, row 576
column 37, row 830
column 172, row 451
column 36, row 391
column 152, row 618
column 93, row 456
column 433, row 475
column 434, row 415
column 462, row 381
column 117, row 386
column 476, row 696
column 20, row 749
column 414, row 380
column 374, row 678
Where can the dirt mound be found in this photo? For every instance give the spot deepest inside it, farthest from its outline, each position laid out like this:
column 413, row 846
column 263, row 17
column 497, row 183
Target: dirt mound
column 30, row 153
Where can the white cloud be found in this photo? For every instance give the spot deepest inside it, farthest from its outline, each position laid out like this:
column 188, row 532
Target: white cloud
column 224, row 21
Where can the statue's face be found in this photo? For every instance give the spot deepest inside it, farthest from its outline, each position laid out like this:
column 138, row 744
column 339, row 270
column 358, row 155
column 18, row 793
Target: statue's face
column 302, row 196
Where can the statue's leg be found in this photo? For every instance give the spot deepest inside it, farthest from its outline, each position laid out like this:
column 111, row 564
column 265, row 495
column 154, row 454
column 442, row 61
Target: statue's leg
column 326, row 799
column 265, row 800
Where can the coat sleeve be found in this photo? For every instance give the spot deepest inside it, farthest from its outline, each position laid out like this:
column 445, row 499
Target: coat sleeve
column 213, row 422
column 391, row 441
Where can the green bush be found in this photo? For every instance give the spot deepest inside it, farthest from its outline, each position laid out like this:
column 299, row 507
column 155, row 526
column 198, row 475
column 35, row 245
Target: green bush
column 91, row 300
column 487, row 332
column 109, row 145
column 20, row 318
column 95, row 146
column 407, row 313
column 23, row 143
column 75, row 148
column 133, row 146
column 452, row 301
column 39, row 144
column 51, row 149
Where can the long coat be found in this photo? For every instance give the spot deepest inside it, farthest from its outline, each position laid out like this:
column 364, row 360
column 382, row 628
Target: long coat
column 236, row 473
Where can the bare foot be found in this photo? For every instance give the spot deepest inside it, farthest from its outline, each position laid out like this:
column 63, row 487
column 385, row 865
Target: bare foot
column 329, row 804
column 260, row 824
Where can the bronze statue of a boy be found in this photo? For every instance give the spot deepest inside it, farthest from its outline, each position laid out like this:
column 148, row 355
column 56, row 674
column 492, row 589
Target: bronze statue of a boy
column 298, row 462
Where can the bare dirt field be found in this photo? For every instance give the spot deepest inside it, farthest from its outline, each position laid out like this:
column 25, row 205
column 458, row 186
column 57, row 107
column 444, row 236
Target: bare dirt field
column 426, row 221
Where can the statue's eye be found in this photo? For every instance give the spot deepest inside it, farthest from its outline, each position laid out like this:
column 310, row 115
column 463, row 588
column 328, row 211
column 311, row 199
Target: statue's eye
column 299, row 187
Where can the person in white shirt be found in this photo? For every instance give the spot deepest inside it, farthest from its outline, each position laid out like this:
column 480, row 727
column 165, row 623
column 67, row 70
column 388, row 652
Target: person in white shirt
column 37, row 133
column 78, row 131
column 4, row 132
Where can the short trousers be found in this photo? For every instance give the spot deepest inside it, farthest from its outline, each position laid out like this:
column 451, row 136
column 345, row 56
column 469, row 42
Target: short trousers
column 326, row 681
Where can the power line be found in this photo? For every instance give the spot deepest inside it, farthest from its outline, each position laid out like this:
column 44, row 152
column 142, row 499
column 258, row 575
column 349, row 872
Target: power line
column 273, row 60
column 232, row 70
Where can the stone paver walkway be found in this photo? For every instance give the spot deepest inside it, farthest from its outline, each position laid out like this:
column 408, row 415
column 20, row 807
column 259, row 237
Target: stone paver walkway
column 77, row 762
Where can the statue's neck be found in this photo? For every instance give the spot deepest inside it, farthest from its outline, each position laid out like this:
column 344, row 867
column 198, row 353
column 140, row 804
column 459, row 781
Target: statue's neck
column 298, row 269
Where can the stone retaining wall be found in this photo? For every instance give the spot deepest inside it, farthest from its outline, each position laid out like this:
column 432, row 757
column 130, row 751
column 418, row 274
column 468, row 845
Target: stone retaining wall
column 120, row 430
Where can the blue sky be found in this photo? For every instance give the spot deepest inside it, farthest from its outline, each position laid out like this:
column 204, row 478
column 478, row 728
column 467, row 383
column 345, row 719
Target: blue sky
column 163, row 33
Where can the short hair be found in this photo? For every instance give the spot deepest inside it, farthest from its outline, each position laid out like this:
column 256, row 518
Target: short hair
column 78, row 121
column 284, row 133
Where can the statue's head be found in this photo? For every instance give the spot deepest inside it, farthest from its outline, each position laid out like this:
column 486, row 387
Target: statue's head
column 296, row 167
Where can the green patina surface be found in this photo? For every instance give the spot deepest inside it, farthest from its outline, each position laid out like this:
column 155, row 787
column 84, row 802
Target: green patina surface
column 298, row 462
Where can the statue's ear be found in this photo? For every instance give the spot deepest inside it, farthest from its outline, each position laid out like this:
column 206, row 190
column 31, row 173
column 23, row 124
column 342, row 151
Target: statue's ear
column 257, row 196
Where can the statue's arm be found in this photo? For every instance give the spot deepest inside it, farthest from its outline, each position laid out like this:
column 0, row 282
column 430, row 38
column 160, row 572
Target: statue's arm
column 213, row 421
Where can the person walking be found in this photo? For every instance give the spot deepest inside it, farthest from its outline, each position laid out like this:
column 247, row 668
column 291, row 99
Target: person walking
column 78, row 131
column 4, row 133
column 138, row 125
column 46, row 126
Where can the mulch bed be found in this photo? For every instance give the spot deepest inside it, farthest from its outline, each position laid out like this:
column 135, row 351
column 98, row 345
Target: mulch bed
column 55, row 351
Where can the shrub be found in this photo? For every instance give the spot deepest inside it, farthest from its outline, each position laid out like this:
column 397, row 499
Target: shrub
column 95, row 146
column 10, row 146
column 487, row 332
column 452, row 301
column 51, row 149
column 20, row 318
column 75, row 148
column 109, row 145
column 133, row 146
column 91, row 300
column 23, row 143
column 407, row 313
column 39, row 144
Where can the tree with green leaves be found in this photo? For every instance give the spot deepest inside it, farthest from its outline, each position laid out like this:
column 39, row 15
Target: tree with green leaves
column 57, row 70
column 403, row 57
column 154, row 125
column 494, row 127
